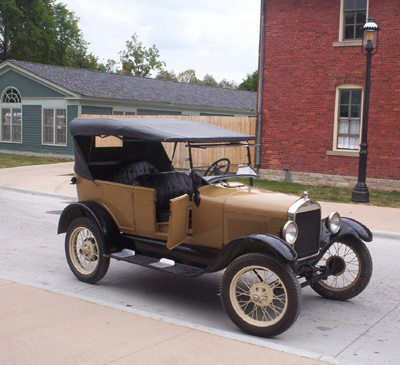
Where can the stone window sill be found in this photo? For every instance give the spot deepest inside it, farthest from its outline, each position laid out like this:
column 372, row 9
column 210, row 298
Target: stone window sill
column 356, row 43
column 343, row 153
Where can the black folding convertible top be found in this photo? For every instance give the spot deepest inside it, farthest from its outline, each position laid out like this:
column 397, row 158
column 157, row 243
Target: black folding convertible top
column 155, row 130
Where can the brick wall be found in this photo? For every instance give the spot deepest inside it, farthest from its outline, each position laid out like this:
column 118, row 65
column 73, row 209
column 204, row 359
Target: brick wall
column 301, row 71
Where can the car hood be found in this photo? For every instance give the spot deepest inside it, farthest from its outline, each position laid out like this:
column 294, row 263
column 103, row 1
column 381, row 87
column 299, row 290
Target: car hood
column 249, row 200
column 248, row 210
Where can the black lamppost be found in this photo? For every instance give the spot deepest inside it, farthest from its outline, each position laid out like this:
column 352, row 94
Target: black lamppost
column 369, row 48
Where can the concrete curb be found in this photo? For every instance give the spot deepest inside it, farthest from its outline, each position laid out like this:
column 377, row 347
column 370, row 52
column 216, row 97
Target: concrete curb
column 387, row 235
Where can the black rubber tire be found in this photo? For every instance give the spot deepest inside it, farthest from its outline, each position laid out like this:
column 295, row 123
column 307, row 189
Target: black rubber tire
column 260, row 265
column 353, row 251
column 94, row 243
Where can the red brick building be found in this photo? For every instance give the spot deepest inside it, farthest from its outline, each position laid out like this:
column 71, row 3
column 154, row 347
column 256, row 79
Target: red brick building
column 313, row 89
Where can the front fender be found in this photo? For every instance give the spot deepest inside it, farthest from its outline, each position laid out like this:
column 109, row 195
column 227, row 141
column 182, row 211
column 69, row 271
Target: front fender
column 254, row 243
column 351, row 226
column 348, row 227
column 94, row 211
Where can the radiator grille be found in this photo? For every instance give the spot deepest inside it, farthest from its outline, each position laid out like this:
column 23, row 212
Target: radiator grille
column 309, row 223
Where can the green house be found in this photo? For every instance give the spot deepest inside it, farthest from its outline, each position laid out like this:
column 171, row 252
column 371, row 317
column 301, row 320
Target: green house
column 39, row 101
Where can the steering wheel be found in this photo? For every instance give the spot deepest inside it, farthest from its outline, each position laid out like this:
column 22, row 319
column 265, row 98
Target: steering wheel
column 219, row 167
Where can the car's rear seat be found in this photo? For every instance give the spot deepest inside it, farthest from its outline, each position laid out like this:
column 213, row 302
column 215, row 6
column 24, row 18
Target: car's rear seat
column 123, row 173
column 128, row 172
column 169, row 185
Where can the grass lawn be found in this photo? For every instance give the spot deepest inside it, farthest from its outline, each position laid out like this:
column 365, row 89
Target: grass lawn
column 9, row 160
column 331, row 194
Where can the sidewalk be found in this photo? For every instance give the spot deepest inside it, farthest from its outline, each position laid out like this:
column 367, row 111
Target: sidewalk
column 38, row 326
column 53, row 178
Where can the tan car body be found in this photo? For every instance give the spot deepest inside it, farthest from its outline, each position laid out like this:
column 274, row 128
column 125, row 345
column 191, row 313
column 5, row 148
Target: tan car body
column 226, row 211
column 135, row 207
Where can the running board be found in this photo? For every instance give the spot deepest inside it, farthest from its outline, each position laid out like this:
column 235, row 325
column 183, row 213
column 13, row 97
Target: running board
column 164, row 265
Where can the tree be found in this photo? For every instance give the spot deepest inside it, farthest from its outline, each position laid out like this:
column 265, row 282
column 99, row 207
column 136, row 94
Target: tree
column 42, row 31
column 138, row 60
column 109, row 66
column 71, row 48
column 77, row 57
column 227, row 84
column 188, row 76
column 10, row 20
column 209, row 80
column 250, row 82
column 27, row 30
column 167, row 75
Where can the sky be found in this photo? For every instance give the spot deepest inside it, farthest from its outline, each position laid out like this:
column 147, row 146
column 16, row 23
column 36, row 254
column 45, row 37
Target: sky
column 218, row 37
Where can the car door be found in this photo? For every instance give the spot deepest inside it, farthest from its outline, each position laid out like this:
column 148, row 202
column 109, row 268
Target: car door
column 178, row 221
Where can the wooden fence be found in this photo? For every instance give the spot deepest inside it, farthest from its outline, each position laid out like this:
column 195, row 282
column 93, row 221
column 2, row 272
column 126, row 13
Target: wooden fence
column 246, row 125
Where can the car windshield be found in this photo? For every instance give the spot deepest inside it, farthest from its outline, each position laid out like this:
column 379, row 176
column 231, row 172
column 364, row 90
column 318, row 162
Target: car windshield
column 222, row 161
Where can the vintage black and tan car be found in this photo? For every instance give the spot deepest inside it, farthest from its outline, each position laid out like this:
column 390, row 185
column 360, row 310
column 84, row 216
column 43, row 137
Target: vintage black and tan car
column 134, row 206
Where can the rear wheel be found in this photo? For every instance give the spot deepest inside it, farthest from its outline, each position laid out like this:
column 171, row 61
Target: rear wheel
column 260, row 294
column 84, row 249
column 351, row 263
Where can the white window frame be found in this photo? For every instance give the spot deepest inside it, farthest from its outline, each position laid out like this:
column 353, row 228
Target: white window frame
column 349, row 42
column 54, row 126
column 12, row 106
column 124, row 112
column 15, row 92
column 336, row 121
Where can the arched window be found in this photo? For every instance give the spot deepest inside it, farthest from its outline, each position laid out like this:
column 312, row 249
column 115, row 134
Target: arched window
column 11, row 96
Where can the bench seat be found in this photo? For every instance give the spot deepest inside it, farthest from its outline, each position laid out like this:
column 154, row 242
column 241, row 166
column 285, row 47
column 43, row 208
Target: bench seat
column 122, row 173
column 169, row 185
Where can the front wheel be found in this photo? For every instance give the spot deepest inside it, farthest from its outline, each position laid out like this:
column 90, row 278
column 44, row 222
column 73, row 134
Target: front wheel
column 351, row 263
column 84, row 249
column 260, row 294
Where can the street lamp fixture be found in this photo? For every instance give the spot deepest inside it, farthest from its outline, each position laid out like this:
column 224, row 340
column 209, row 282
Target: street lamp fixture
column 369, row 48
column 370, row 36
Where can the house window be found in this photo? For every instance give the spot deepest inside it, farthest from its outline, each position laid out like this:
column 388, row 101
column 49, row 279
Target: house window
column 354, row 18
column 349, row 118
column 11, row 116
column 121, row 112
column 54, row 126
column 11, row 125
column 11, row 96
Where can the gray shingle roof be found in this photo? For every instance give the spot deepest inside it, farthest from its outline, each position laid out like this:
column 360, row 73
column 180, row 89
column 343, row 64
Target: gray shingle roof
column 115, row 86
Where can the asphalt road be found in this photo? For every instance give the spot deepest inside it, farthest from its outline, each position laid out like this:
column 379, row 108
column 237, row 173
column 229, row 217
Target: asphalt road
column 364, row 330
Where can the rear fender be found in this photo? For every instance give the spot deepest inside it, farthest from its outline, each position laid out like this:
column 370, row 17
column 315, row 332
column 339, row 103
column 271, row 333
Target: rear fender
column 254, row 243
column 98, row 214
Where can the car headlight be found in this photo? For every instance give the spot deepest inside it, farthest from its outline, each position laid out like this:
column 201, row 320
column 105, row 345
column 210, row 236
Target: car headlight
column 290, row 232
column 333, row 222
